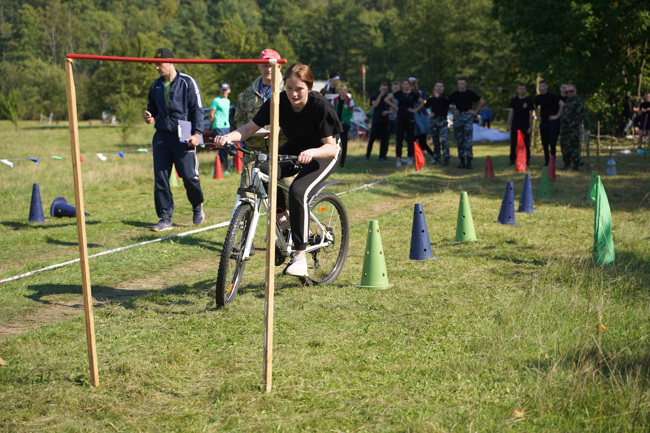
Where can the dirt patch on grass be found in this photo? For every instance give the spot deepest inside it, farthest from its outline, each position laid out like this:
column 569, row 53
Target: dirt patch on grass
column 55, row 311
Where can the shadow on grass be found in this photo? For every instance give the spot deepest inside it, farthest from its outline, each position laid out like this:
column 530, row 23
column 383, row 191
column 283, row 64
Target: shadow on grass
column 53, row 241
column 620, row 363
column 140, row 224
column 99, row 293
column 23, row 225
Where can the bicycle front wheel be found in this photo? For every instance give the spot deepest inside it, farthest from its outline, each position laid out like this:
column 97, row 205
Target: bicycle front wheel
column 328, row 226
column 231, row 265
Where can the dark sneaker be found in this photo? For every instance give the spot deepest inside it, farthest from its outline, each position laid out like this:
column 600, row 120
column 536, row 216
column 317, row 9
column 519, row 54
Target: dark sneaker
column 199, row 216
column 297, row 267
column 164, row 224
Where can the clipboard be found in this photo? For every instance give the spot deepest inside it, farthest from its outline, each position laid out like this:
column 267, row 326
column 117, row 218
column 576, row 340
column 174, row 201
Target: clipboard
column 185, row 132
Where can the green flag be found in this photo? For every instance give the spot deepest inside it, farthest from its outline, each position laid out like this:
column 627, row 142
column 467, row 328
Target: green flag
column 591, row 193
column 603, row 242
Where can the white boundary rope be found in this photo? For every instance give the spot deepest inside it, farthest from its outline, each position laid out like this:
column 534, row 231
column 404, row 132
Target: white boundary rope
column 178, row 235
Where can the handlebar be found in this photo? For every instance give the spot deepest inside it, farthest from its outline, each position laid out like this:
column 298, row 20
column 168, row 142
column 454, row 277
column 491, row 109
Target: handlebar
column 232, row 149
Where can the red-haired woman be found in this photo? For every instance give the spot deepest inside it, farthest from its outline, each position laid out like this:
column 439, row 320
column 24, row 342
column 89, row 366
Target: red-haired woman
column 312, row 128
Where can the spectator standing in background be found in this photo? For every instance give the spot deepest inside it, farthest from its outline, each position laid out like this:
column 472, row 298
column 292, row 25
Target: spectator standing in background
column 379, row 127
column 464, row 99
column 220, row 120
column 486, row 117
column 344, row 106
column 438, row 103
column 406, row 100
column 549, row 109
column 392, row 117
column 571, row 128
column 331, row 88
column 520, row 119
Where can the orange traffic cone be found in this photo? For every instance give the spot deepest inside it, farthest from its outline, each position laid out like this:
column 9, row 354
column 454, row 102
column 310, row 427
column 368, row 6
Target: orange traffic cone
column 489, row 170
column 550, row 170
column 521, row 153
column 218, row 171
column 238, row 159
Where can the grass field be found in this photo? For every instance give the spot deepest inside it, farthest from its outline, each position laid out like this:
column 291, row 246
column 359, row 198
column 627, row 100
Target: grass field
column 518, row 331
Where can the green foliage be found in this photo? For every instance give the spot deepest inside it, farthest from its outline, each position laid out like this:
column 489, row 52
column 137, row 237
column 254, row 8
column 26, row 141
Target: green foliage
column 601, row 45
column 597, row 44
column 11, row 107
column 128, row 111
column 28, row 36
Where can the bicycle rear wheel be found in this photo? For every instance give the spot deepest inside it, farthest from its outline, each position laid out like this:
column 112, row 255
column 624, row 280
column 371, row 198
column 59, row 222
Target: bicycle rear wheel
column 231, row 265
column 328, row 221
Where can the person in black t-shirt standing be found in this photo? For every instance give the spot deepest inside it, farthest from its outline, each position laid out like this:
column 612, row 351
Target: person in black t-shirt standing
column 312, row 128
column 520, row 118
column 438, row 123
column 463, row 99
column 549, row 109
column 643, row 118
column 379, row 127
column 405, row 123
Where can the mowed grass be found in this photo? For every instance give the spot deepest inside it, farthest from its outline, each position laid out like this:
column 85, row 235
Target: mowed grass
column 497, row 335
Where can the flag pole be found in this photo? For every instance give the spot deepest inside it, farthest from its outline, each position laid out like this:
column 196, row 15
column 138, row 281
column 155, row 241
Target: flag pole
column 363, row 72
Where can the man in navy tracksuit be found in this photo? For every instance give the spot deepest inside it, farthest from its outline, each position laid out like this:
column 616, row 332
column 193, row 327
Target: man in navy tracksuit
column 172, row 97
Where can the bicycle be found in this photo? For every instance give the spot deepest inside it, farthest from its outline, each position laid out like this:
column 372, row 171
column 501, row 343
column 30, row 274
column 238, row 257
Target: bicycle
column 329, row 232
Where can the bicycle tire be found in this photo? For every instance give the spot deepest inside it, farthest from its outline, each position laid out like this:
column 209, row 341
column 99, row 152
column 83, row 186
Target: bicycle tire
column 231, row 265
column 325, row 264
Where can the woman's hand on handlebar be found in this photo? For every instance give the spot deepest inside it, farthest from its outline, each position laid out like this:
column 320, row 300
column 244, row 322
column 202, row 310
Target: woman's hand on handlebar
column 305, row 157
column 221, row 140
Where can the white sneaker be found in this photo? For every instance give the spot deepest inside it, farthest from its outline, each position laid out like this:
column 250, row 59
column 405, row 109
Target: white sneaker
column 297, row 267
column 409, row 161
column 398, row 163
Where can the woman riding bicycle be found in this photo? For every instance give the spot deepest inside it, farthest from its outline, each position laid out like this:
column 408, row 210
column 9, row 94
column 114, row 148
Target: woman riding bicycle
column 312, row 128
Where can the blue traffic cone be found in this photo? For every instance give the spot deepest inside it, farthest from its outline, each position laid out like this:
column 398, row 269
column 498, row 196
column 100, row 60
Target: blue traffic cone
column 507, row 212
column 36, row 207
column 420, row 243
column 61, row 208
column 526, row 199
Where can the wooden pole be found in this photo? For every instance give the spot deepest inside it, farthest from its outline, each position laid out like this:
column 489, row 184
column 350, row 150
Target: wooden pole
column 81, row 223
column 598, row 146
column 270, row 234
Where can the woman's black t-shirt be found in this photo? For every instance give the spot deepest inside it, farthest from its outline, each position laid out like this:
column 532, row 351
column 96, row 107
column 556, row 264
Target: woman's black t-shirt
column 405, row 101
column 304, row 129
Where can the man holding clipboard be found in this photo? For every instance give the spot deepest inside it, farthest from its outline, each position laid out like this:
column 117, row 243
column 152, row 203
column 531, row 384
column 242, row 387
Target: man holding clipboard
column 176, row 110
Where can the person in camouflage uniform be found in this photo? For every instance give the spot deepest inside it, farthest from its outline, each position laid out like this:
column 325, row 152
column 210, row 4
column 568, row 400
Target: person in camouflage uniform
column 570, row 128
column 438, row 123
column 463, row 100
column 248, row 105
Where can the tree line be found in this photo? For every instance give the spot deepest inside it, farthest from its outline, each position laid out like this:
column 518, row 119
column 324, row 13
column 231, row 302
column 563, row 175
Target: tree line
column 599, row 45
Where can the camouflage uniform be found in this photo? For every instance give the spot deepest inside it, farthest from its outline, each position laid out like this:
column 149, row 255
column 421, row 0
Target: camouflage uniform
column 439, row 128
column 464, row 132
column 570, row 122
column 248, row 105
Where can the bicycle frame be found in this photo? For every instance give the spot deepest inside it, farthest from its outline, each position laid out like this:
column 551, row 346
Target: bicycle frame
column 261, row 198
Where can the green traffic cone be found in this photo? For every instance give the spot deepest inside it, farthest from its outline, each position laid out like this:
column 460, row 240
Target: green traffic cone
column 172, row 178
column 374, row 275
column 465, row 227
column 545, row 185
column 591, row 192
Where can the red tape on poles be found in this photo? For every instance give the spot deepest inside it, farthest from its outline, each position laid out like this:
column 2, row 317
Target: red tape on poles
column 145, row 60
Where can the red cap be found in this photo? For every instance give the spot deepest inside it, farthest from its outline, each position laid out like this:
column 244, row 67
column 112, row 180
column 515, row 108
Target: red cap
column 269, row 54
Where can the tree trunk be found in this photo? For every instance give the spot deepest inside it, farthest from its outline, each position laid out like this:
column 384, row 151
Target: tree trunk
column 639, row 79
